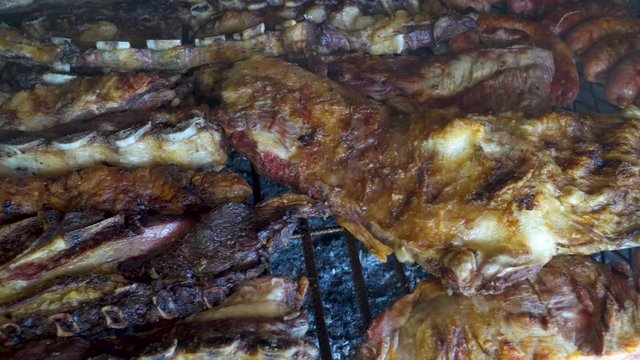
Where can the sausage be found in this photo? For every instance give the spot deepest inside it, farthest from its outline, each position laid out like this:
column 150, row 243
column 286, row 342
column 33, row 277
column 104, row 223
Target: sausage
column 601, row 58
column 623, row 85
column 583, row 36
column 565, row 85
column 564, row 18
column 491, row 38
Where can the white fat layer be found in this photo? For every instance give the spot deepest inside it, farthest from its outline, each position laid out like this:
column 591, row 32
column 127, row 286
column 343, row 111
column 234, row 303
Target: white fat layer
column 185, row 130
column 40, row 255
column 455, row 142
column 210, row 40
column 270, row 143
column 112, row 45
column 128, row 137
column 163, row 44
column 486, row 228
column 72, row 145
column 57, row 79
column 541, row 239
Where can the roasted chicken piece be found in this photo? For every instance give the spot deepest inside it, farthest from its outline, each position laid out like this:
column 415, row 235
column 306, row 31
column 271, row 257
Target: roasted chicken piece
column 480, row 201
column 516, row 78
column 92, row 277
column 574, row 308
column 188, row 139
column 47, row 106
column 165, row 189
column 261, row 319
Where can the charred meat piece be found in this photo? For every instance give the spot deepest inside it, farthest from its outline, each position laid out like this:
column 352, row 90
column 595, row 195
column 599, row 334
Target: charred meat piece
column 564, row 18
column 127, row 22
column 11, row 6
column 574, row 308
column 261, row 319
column 601, row 58
column 165, row 189
column 47, row 106
column 119, row 278
column 481, row 201
column 586, row 34
column 492, row 30
column 188, row 139
column 520, row 76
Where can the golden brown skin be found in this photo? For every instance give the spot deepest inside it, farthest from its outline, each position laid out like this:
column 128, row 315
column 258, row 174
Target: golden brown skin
column 47, row 106
column 481, row 201
column 575, row 308
column 120, row 190
column 16, row 47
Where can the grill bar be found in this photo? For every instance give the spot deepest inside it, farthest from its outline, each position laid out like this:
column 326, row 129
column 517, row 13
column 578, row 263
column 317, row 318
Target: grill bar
column 316, row 295
column 358, row 280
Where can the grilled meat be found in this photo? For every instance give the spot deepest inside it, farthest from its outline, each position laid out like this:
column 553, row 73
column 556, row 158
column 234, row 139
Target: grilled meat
column 47, row 106
column 574, row 308
column 481, row 201
column 93, row 279
column 131, row 22
column 11, row 6
column 520, row 76
column 392, row 35
column 188, row 139
column 261, row 319
column 497, row 31
column 563, row 18
column 601, row 58
column 623, row 85
column 166, row 189
column 15, row 46
column 539, row 7
column 586, row 34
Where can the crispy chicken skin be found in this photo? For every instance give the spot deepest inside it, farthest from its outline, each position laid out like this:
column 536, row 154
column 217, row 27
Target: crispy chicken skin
column 120, row 190
column 481, row 201
column 574, row 308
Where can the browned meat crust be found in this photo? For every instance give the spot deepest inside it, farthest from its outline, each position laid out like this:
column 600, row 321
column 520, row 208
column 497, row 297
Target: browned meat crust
column 574, row 308
column 115, row 190
column 482, row 201
column 601, row 58
column 586, row 34
column 623, row 85
column 47, row 106
column 563, row 18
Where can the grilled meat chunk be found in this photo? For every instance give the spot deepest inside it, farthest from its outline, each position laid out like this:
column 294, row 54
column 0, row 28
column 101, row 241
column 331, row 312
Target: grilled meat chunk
column 188, row 139
column 15, row 46
column 574, row 308
column 47, row 106
column 497, row 31
column 623, row 84
column 165, row 189
column 520, row 76
column 260, row 319
column 92, row 277
column 481, row 201
column 389, row 35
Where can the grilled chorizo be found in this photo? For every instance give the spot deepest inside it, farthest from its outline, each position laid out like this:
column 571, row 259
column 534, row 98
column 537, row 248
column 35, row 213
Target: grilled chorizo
column 623, row 85
column 601, row 58
column 585, row 35
column 564, row 18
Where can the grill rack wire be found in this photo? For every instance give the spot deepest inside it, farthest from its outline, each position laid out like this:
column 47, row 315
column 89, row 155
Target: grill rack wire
column 348, row 286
